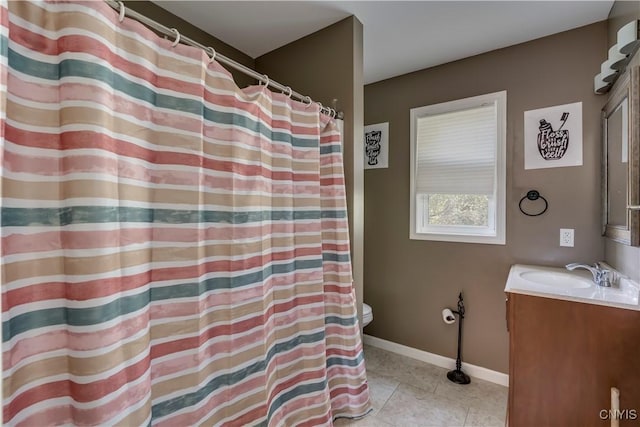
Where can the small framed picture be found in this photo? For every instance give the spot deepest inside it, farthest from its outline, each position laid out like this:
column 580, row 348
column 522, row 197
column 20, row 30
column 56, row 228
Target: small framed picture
column 376, row 146
column 553, row 137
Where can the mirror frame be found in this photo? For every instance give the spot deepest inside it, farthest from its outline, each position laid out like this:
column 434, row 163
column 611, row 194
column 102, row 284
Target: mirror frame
column 628, row 85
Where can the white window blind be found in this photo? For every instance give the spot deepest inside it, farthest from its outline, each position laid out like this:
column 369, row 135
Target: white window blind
column 456, row 152
column 458, row 164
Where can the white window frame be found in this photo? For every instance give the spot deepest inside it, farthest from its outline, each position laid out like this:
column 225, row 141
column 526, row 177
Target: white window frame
column 466, row 234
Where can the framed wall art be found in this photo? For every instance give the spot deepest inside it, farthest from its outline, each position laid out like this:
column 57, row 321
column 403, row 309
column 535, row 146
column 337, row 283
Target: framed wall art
column 553, row 137
column 376, row 146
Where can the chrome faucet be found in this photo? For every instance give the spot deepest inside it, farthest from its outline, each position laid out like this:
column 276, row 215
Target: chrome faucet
column 601, row 276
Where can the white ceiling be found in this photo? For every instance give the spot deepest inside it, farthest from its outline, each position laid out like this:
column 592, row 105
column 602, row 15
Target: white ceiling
column 399, row 36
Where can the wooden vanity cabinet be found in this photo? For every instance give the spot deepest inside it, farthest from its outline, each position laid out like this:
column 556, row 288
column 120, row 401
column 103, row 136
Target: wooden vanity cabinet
column 564, row 357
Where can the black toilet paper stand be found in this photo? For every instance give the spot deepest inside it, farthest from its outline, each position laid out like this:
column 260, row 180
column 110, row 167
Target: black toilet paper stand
column 457, row 376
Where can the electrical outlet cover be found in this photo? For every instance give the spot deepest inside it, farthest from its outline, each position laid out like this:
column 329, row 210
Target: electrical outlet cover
column 566, row 237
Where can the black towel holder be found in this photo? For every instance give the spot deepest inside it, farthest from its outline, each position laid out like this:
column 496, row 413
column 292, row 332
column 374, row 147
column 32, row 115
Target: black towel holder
column 533, row 195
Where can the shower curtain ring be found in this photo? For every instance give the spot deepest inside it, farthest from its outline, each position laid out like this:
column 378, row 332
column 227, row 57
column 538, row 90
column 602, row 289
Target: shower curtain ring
column 123, row 10
column 213, row 53
column 265, row 80
column 308, row 99
column 288, row 91
column 177, row 40
column 333, row 113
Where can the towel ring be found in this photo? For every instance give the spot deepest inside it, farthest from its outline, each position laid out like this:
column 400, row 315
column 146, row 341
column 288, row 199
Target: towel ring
column 122, row 10
column 177, row 40
column 533, row 195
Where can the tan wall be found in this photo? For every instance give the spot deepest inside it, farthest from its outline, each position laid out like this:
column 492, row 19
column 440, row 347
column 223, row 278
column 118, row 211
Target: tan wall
column 327, row 66
column 622, row 257
column 165, row 17
column 408, row 282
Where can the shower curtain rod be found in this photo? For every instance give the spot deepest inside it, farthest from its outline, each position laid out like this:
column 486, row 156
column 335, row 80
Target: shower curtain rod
column 125, row 11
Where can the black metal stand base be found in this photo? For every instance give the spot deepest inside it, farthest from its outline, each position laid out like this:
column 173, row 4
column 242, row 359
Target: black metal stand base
column 458, row 377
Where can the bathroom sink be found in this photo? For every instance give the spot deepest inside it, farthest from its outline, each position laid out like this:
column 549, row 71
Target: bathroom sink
column 576, row 285
column 556, row 279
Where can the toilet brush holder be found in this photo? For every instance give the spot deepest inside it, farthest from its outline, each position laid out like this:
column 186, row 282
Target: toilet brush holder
column 457, row 376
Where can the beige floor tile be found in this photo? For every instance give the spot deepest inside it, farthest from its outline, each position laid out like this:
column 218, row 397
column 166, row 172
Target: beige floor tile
column 371, row 422
column 480, row 394
column 480, row 418
column 403, row 369
column 409, row 393
column 411, row 406
column 368, row 421
column 377, row 360
column 380, row 389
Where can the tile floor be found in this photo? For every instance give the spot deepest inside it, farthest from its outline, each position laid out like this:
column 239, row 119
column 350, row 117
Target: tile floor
column 409, row 393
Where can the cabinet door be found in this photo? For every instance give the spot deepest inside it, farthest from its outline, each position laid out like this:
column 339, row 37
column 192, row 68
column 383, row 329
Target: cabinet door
column 564, row 359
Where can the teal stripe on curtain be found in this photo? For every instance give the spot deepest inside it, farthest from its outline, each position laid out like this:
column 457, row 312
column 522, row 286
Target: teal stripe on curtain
column 180, row 402
column 21, row 323
column 76, row 68
column 18, row 217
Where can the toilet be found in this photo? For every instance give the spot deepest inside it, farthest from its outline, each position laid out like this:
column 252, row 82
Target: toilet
column 367, row 314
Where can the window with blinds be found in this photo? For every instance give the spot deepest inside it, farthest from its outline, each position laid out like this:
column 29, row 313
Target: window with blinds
column 458, row 170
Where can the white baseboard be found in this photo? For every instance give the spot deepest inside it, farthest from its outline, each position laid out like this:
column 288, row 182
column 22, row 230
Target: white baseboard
column 435, row 359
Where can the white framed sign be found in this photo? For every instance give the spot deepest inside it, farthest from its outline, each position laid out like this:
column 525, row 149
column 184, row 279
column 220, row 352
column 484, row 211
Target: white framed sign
column 553, row 137
column 376, row 146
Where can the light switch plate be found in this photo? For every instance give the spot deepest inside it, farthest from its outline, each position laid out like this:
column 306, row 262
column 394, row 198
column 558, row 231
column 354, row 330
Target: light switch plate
column 566, row 237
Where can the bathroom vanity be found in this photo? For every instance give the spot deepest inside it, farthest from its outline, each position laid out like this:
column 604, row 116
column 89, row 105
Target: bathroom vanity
column 570, row 341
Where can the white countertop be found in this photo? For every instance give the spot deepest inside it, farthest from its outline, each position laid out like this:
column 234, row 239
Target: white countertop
column 624, row 292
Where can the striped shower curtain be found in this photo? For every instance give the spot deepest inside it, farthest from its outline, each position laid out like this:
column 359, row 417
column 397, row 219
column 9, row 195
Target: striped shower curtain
column 174, row 249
